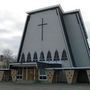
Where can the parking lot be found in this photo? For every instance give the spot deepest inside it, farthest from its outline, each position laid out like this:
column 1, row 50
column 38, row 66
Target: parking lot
column 16, row 86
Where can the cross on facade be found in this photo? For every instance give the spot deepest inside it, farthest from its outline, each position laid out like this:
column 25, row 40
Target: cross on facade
column 42, row 24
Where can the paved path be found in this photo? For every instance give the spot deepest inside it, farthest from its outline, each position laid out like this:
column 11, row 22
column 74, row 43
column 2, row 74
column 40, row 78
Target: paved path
column 14, row 86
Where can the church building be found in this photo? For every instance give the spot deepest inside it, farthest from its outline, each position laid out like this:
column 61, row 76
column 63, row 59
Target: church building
column 54, row 48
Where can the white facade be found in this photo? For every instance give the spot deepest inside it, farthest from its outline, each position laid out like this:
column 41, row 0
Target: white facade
column 46, row 30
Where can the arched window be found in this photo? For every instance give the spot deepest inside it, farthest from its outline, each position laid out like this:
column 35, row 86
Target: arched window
column 64, row 55
column 35, row 58
column 22, row 58
column 49, row 57
column 29, row 57
column 56, row 56
column 42, row 56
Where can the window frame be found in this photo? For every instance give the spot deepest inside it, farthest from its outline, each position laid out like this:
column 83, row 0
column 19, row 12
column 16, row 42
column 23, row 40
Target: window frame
column 19, row 75
column 42, row 75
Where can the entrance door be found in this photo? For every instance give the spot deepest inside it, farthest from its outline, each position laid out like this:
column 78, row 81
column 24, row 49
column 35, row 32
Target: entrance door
column 30, row 74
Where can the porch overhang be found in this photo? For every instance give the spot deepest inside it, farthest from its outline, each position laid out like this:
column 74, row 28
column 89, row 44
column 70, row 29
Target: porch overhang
column 48, row 65
column 23, row 65
column 36, row 64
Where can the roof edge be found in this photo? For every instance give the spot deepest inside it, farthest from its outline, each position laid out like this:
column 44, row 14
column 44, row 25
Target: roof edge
column 45, row 9
column 72, row 12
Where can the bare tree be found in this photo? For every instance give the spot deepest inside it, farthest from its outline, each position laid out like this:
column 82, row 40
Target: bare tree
column 8, row 54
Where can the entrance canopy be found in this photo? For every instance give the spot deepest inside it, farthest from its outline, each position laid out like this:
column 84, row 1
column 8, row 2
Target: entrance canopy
column 36, row 64
column 49, row 65
column 23, row 65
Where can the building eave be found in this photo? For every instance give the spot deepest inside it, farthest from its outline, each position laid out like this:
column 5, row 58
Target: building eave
column 46, row 9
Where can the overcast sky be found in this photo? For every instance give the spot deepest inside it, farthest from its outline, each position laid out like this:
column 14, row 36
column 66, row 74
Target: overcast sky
column 13, row 16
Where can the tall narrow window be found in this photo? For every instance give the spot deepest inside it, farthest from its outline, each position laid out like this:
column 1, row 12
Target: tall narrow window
column 56, row 56
column 29, row 57
column 49, row 57
column 42, row 57
column 35, row 58
column 22, row 58
column 64, row 55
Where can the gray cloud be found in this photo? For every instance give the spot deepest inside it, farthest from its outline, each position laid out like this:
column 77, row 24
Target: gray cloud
column 4, row 31
column 12, row 44
column 10, row 32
